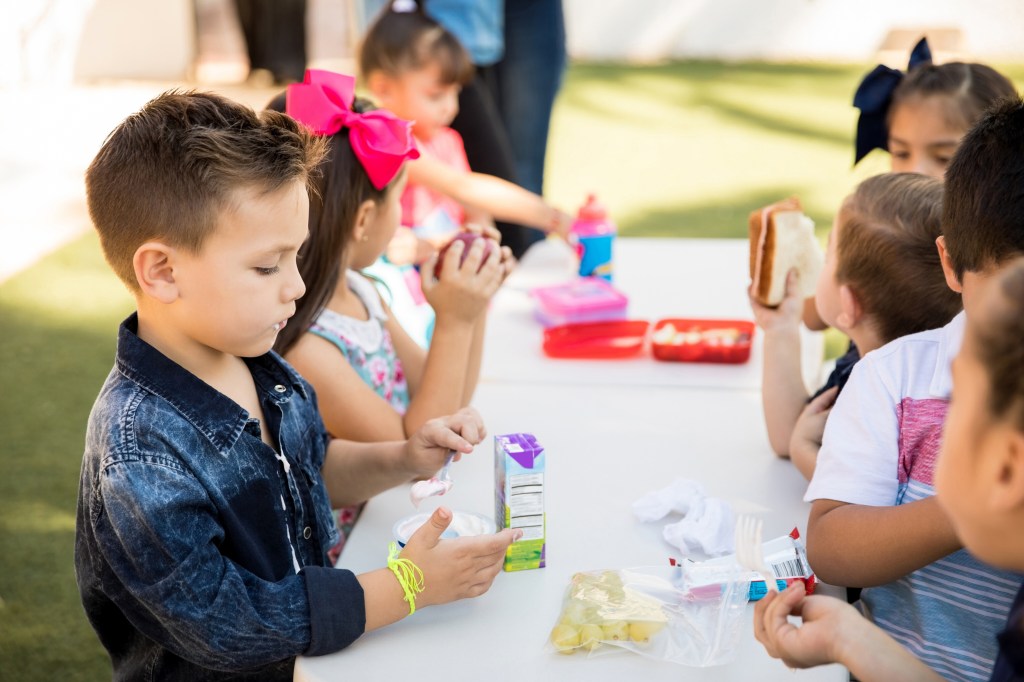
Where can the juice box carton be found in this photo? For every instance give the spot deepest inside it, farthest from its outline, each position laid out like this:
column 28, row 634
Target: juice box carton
column 519, row 497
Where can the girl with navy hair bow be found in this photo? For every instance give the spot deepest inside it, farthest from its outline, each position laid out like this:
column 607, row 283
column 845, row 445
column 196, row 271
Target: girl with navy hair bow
column 920, row 116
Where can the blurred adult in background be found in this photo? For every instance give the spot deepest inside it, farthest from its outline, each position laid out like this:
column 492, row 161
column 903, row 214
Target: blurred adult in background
column 275, row 37
column 529, row 77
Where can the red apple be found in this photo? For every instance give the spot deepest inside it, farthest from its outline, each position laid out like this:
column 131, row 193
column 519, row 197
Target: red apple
column 467, row 239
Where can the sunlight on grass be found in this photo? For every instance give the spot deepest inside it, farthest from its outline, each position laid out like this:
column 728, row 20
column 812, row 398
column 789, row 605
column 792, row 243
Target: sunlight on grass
column 34, row 516
column 96, row 291
column 660, row 145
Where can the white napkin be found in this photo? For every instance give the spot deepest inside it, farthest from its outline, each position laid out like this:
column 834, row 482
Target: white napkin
column 709, row 527
column 679, row 497
column 708, row 523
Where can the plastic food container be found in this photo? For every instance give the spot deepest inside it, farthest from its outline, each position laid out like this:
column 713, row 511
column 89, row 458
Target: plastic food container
column 596, row 340
column 687, row 340
column 587, row 299
column 464, row 524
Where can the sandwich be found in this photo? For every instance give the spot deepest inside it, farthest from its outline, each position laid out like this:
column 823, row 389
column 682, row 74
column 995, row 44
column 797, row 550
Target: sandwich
column 782, row 239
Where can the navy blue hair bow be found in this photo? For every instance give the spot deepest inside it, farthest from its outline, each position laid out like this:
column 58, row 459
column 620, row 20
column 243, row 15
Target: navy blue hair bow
column 873, row 97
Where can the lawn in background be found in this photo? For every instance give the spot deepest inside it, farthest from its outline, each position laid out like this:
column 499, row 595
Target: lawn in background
column 684, row 149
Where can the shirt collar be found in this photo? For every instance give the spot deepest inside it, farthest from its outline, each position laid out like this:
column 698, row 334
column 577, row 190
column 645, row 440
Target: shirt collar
column 218, row 417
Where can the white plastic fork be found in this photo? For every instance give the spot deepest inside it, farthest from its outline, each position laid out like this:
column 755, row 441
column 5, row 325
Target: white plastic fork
column 749, row 551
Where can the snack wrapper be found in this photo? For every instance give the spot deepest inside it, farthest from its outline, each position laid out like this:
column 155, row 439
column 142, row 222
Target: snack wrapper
column 785, row 555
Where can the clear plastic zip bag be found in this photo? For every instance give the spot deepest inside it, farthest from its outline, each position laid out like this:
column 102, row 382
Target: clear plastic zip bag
column 650, row 611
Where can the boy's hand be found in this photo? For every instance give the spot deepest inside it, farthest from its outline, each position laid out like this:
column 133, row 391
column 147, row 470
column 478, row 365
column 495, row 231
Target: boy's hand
column 810, row 425
column 459, row 568
column 826, row 623
column 427, row 449
column 787, row 316
column 463, row 291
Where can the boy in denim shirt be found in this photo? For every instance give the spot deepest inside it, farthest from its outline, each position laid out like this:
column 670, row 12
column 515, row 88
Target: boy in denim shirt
column 204, row 511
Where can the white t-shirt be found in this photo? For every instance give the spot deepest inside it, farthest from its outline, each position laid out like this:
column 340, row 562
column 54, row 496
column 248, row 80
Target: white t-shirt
column 881, row 443
column 906, row 381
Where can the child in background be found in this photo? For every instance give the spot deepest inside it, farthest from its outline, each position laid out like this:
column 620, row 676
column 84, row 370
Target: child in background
column 979, row 480
column 883, row 240
column 381, row 385
column 874, row 521
column 204, row 504
column 415, row 68
column 919, row 117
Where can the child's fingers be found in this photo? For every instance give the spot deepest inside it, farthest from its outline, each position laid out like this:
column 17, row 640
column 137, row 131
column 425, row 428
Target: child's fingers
column 760, row 608
column 825, row 401
column 452, row 257
column 493, row 547
column 468, row 423
column 792, row 283
column 775, row 620
column 440, row 434
column 474, row 257
column 429, row 534
column 491, row 232
column 428, row 281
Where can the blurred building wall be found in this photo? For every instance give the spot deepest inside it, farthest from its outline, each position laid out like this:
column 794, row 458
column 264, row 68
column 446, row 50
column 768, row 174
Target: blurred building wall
column 827, row 30
column 57, row 41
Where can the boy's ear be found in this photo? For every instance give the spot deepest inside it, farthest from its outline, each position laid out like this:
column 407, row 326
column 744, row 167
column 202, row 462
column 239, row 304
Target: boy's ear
column 1007, row 493
column 365, row 215
column 850, row 310
column 947, row 266
column 154, row 271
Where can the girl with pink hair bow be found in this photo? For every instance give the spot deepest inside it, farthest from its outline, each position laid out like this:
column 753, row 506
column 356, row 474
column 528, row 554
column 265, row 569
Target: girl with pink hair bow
column 373, row 381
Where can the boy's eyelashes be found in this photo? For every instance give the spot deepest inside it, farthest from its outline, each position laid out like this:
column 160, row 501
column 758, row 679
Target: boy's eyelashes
column 268, row 271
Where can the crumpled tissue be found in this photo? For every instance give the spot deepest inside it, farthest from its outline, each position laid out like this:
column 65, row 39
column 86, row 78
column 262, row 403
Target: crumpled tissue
column 708, row 523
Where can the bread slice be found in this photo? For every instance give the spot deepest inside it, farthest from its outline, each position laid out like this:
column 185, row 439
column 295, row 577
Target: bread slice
column 782, row 239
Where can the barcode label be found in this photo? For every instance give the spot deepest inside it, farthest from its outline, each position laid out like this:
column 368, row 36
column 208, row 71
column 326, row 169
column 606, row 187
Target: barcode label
column 792, row 568
column 526, row 504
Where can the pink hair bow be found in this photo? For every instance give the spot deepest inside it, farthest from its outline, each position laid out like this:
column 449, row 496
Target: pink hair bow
column 380, row 140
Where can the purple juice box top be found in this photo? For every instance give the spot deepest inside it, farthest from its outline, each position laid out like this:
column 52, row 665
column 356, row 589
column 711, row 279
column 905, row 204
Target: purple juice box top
column 522, row 447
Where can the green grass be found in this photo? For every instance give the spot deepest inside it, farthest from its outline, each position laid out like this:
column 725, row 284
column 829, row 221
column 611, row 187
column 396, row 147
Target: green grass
column 684, row 149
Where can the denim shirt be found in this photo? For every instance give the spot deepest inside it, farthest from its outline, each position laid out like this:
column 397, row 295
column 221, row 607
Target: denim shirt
column 200, row 552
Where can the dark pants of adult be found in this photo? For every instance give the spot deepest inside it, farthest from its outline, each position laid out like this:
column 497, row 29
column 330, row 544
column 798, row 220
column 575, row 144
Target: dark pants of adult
column 528, row 77
column 488, row 148
column 275, row 36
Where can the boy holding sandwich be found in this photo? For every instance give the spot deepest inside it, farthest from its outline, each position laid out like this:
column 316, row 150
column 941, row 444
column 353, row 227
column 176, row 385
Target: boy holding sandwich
column 882, row 241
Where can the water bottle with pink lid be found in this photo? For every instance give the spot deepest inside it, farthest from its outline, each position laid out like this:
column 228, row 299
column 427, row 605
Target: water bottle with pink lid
column 593, row 233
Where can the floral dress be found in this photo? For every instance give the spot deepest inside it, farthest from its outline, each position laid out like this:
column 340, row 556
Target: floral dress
column 367, row 346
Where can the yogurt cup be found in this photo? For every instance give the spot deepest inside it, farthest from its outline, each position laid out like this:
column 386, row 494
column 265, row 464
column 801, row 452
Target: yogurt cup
column 464, row 524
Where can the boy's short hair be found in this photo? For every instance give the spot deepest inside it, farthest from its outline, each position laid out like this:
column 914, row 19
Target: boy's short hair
column 886, row 253
column 167, row 171
column 1000, row 345
column 398, row 42
column 983, row 212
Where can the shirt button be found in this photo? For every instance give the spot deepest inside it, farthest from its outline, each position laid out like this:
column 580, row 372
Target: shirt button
column 307, row 532
column 280, row 389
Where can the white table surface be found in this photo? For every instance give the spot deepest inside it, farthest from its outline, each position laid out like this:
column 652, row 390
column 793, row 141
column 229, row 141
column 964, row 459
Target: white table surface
column 605, row 447
column 663, row 278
